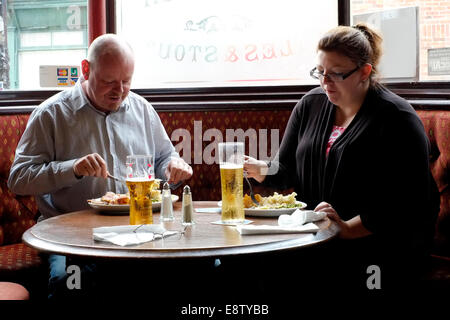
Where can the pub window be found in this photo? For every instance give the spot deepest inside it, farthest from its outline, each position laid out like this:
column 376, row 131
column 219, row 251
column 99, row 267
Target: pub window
column 416, row 37
column 217, row 43
column 39, row 33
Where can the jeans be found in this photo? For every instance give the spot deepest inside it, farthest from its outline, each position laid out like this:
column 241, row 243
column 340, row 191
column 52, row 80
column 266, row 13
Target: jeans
column 58, row 285
column 58, row 275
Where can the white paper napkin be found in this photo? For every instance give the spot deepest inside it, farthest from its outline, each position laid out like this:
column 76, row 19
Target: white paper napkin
column 300, row 217
column 130, row 234
column 266, row 229
column 294, row 223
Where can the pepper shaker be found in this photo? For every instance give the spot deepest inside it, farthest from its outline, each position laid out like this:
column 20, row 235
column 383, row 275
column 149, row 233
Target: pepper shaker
column 166, row 204
column 188, row 209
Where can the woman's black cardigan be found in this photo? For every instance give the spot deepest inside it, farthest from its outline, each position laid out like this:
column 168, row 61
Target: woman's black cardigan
column 377, row 169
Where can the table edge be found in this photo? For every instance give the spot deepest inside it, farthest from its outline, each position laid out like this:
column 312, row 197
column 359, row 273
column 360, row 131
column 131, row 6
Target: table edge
column 323, row 236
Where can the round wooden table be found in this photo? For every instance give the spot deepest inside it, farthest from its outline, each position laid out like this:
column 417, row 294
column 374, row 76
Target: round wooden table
column 71, row 235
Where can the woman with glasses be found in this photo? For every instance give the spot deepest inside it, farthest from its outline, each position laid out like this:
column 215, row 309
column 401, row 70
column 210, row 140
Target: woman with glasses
column 357, row 151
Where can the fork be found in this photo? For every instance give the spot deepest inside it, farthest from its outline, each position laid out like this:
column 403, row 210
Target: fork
column 115, row 178
column 252, row 195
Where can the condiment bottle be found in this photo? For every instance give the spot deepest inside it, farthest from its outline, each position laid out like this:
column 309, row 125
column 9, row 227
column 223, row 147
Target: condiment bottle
column 166, row 204
column 187, row 208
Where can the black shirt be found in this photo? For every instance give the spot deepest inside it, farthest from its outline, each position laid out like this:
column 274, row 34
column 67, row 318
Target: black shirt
column 378, row 168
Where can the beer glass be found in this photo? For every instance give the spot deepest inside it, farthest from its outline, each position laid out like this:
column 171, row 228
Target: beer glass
column 231, row 162
column 140, row 179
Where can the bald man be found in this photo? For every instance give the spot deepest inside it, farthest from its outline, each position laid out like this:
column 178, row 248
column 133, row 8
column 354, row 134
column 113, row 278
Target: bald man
column 75, row 138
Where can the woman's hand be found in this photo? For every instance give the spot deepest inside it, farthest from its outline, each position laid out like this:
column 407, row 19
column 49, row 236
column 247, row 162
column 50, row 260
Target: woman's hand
column 344, row 232
column 256, row 169
column 350, row 229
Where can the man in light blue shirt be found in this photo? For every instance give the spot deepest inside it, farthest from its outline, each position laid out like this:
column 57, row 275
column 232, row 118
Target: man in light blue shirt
column 75, row 138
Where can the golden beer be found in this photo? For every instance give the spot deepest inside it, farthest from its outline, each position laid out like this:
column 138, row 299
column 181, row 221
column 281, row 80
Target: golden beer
column 231, row 177
column 140, row 200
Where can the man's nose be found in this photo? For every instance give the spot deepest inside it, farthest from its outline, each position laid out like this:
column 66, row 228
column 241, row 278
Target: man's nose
column 119, row 86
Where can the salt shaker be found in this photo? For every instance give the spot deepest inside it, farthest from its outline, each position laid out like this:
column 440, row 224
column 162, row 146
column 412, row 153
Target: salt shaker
column 187, row 208
column 166, row 204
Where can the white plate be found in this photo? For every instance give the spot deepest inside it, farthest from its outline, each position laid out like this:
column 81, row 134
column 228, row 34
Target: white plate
column 270, row 212
column 119, row 209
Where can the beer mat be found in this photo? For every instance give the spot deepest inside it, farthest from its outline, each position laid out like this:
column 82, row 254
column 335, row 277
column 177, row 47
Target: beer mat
column 208, row 210
column 224, row 223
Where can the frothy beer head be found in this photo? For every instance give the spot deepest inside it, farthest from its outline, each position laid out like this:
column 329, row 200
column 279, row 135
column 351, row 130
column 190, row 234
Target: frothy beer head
column 231, row 166
column 140, row 179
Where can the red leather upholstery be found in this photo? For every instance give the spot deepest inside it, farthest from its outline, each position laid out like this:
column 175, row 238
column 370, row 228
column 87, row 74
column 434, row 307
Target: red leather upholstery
column 17, row 257
column 17, row 213
column 437, row 127
column 205, row 184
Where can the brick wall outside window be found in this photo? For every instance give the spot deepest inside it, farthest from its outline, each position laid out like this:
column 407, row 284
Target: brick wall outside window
column 434, row 25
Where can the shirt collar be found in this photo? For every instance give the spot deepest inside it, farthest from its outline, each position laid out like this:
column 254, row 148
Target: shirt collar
column 81, row 100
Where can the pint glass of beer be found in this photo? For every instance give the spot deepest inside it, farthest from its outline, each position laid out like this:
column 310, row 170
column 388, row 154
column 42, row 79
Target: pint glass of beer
column 231, row 162
column 140, row 179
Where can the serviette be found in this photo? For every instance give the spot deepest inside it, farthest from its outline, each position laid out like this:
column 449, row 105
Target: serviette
column 266, row 229
column 130, row 234
column 300, row 217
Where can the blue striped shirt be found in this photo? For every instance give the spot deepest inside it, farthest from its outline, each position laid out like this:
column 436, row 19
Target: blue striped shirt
column 67, row 127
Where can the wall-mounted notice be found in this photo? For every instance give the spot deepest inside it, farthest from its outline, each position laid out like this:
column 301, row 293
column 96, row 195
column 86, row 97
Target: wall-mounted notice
column 438, row 61
column 399, row 28
column 58, row 76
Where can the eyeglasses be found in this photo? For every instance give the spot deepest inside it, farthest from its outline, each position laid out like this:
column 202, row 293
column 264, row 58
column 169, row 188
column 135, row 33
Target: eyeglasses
column 162, row 235
column 335, row 77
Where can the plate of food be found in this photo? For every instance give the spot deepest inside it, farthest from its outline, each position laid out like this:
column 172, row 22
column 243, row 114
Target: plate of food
column 118, row 204
column 272, row 206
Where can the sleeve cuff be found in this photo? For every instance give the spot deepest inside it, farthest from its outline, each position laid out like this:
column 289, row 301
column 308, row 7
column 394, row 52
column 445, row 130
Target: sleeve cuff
column 66, row 173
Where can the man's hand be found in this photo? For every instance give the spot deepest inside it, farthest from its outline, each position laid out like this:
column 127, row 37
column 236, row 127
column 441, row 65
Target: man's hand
column 90, row 165
column 178, row 170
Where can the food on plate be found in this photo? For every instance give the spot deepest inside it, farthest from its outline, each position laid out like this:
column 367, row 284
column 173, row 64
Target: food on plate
column 115, row 198
column 156, row 193
column 124, row 198
column 248, row 203
column 276, row 201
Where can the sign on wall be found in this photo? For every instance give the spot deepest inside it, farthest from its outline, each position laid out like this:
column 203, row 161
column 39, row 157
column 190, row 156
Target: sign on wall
column 438, row 61
column 58, row 76
column 399, row 29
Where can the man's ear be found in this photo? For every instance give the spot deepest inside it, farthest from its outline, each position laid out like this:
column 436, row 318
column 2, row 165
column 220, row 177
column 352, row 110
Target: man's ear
column 85, row 69
column 366, row 71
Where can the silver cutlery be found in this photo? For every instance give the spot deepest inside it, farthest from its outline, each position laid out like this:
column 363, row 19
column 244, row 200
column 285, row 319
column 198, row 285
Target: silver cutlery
column 252, row 195
column 115, row 178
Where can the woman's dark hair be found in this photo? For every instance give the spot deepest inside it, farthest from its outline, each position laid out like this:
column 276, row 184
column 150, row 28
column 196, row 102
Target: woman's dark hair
column 359, row 43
